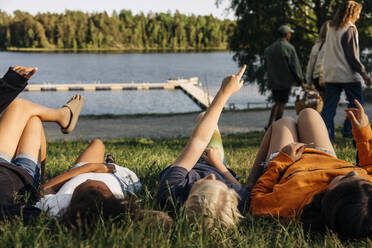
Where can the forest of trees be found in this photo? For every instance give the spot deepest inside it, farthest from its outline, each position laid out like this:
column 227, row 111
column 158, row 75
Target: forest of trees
column 122, row 31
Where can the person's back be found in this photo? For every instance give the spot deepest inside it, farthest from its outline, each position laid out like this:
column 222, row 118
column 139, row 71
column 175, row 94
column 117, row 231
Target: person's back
column 335, row 62
column 284, row 71
column 278, row 59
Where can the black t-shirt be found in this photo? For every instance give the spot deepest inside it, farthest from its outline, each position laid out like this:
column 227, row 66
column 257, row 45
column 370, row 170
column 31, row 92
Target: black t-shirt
column 14, row 181
column 179, row 181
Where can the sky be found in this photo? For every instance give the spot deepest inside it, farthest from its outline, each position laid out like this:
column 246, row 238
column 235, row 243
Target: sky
column 197, row 7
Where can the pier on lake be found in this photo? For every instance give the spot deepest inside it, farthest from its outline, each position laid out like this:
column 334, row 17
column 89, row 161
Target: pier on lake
column 191, row 87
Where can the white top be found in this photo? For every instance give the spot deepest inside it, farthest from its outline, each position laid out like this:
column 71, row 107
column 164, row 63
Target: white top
column 336, row 69
column 315, row 65
column 122, row 181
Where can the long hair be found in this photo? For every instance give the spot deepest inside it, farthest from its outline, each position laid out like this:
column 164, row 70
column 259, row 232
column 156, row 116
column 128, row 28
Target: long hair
column 346, row 13
column 346, row 210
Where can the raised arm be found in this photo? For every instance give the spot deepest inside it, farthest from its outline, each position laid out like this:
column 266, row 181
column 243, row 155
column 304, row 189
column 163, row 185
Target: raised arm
column 362, row 134
column 204, row 129
column 53, row 185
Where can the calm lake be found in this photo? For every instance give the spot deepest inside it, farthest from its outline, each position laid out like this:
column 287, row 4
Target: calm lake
column 59, row 68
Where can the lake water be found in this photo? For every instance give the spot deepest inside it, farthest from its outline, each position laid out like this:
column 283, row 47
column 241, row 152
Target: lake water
column 59, row 68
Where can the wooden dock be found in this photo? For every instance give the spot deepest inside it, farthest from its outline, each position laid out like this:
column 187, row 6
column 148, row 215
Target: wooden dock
column 101, row 87
column 188, row 86
column 199, row 96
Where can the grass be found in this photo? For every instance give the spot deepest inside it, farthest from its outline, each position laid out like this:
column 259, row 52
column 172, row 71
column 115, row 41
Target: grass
column 148, row 157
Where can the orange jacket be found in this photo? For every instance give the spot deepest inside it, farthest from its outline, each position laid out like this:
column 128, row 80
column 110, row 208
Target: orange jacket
column 287, row 186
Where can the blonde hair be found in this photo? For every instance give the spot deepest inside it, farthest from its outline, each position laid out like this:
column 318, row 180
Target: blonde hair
column 346, row 13
column 213, row 203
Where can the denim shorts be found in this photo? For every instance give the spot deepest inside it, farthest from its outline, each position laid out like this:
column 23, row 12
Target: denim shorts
column 274, row 154
column 25, row 161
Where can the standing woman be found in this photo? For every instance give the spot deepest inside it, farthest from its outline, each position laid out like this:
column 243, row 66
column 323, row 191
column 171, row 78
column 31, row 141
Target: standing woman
column 314, row 70
column 342, row 67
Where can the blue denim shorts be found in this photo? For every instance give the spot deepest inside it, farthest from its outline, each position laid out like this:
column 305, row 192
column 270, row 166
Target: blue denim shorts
column 25, row 161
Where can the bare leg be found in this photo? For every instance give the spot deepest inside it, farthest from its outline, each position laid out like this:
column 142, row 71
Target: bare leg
column 15, row 118
column 94, row 153
column 311, row 129
column 257, row 170
column 30, row 141
column 42, row 154
column 279, row 134
column 284, row 132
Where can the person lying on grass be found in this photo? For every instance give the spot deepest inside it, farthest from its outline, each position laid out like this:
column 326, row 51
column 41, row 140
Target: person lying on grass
column 303, row 177
column 23, row 146
column 202, row 183
column 93, row 187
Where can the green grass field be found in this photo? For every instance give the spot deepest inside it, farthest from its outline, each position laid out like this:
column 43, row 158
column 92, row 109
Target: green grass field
column 147, row 157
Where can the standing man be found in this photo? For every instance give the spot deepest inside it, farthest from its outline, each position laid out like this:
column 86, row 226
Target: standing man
column 284, row 71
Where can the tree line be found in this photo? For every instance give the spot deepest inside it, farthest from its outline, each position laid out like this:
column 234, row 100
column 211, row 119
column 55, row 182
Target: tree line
column 122, row 31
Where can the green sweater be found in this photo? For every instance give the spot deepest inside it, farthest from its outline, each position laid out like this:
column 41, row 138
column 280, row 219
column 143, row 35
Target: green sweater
column 282, row 65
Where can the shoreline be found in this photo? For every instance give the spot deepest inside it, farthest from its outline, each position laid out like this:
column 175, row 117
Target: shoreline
column 114, row 50
column 118, row 116
column 168, row 126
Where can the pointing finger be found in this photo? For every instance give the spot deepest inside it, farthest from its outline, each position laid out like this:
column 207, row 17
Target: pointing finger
column 241, row 72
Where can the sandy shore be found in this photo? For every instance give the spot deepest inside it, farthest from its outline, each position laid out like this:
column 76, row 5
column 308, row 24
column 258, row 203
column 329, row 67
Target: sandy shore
column 172, row 126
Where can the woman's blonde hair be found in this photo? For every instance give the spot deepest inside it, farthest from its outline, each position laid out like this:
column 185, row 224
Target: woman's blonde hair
column 213, row 203
column 346, row 13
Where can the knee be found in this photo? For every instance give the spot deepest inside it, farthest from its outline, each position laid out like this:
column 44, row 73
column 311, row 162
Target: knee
column 308, row 113
column 35, row 123
column 98, row 142
column 285, row 121
column 17, row 103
